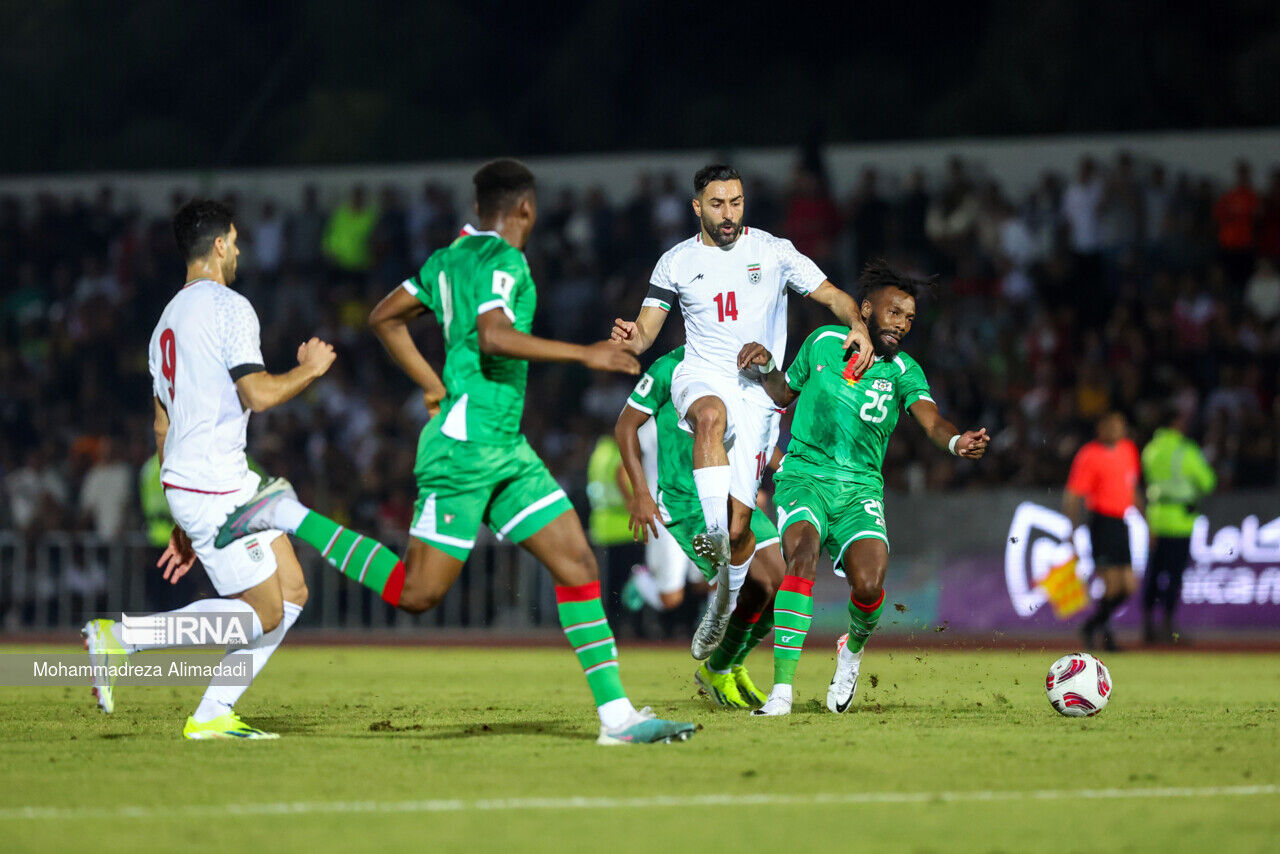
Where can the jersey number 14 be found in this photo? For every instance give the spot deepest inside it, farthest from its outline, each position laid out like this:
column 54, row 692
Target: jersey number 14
column 727, row 306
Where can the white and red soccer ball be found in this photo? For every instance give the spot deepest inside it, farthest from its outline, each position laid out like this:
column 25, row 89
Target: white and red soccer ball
column 1078, row 685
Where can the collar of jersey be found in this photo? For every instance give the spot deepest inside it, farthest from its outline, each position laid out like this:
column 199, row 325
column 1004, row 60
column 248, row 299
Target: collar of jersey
column 198, row 281
column 472, row 231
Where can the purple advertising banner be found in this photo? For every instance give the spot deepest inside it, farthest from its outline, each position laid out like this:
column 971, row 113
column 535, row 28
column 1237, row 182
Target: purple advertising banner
column 1231, row 584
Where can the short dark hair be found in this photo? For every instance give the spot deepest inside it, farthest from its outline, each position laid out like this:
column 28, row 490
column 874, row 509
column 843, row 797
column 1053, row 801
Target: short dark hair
column 878, row 275
column 499, row 184
column 713, row 172
column 197, row 224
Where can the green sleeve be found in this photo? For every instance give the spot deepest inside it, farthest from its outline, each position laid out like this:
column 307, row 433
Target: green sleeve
column 798, row 373
column 654, row 388
column 422, row 284
column 913, row 385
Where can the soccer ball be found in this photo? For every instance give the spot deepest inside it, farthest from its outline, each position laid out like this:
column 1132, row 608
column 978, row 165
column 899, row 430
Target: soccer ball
column 1078, row 685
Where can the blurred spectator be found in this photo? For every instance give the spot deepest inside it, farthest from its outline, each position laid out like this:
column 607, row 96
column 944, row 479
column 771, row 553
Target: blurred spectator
column 348, row 233
column 1236, row 213
column 107, row 492
column 306, row 231
column 1262, row 295
column 267, row 242
column 812, row 220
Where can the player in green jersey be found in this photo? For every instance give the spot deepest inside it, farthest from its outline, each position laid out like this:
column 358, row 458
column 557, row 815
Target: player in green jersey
column 474, row 466
column 723, row 676
column 830, row 492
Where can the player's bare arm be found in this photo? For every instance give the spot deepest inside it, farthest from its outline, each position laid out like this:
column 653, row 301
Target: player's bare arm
column 771, row 377
column 971, row 444
column 178, row 556
column 639, row 335
column 497, row 336
column 390, row 322
column 641, row 506
column 846, row 310
column 260, row 390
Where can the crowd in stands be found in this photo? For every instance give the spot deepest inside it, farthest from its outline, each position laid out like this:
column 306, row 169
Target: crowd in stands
column 1119, row 285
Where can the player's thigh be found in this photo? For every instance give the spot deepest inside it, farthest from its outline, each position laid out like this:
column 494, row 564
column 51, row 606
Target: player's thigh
column 528, row 498
column 429, row 573
column 456, row 481
column 801, row 499
column 686, row 522
column 666, row 560
column 241, row 565
column 754, row 427
column 561, row 546
column 857, row 516
column 692, row 394
column 767, row 566
column 293, row 582
column 865, row 562
column 266, row 600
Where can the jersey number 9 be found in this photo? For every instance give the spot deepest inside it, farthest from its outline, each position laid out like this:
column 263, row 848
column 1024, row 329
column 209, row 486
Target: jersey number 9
column 168, row 358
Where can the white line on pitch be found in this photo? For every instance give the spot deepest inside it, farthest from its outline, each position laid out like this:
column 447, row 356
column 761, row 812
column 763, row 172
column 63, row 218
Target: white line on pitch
column 585, row 803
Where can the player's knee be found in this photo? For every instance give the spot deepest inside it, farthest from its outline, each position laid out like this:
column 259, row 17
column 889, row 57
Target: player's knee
column 803, row 562
column 709, row 421
column 298, row 594
column 672, row 599
column 866, row 591
column 740, row 531
column 420, row 599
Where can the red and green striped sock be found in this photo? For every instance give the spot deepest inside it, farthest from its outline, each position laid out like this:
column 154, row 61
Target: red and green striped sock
column 863, row 619
column 759, row 629
column 735, row 637
column 356, row 556
column 584, row 623
column 792, row 614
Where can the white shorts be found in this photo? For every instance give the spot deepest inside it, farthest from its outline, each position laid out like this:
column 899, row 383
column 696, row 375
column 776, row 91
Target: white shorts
column 667, row 562
column 751, row 427
column 245, row 563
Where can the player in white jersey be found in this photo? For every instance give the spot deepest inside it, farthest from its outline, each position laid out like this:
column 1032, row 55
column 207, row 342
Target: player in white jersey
column 207, row 376
column 730, row 283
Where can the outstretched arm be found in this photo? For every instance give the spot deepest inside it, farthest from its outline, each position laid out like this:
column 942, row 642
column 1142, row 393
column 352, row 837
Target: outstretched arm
column 390, row 322
column 640, row 335
column 773, row 380
column 643, row 509
column 497, row 336
column 971, row 445
column 261, row 390
column 845, row 308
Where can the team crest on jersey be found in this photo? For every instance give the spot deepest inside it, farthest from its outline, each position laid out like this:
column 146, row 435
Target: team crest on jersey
column 254, row 548
column 882, row 385
column 753, row 273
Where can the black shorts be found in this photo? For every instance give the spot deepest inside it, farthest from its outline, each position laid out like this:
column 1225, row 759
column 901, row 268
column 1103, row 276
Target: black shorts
column 1110, row 538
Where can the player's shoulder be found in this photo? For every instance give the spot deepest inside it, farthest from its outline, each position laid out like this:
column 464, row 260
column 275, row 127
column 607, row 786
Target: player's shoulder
column 906, row 363
column 767, row 240
column 665, row 365
column 831, row 335
column 487, row 246
column 681, row 250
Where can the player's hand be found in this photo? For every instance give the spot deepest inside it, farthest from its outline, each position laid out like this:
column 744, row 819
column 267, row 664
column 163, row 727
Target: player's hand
column 317, row 355
column 610, row 356
column 178, row 557
column 753, row 354
column 626, row 333
column 859, row 339
column 432, row 400
column 973, row 445
column 644, row 516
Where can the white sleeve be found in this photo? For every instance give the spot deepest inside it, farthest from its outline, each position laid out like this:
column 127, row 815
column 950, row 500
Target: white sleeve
column 663, row 290
column 798, row 271
column 239, row 337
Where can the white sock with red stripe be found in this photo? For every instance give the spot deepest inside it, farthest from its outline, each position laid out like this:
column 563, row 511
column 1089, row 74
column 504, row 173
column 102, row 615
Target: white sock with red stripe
column 219, row 699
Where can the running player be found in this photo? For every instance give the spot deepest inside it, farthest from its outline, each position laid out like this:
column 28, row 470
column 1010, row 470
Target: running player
column 830, row 491
column 730, row 282
column 207, row 376
column 723, row 676
column 474, row 465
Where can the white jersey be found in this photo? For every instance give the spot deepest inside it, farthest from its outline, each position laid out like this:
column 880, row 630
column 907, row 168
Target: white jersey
column 731, row 296
column 207, row 338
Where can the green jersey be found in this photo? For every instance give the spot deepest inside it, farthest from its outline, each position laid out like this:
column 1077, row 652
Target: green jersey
column 652, row 395
column 841, row 428
column 478, row 272
column 1177, row 477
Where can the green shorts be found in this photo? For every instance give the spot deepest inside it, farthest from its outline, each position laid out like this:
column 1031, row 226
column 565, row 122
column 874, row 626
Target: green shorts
column 464, row 484
column 842, row 512
column 687, row 521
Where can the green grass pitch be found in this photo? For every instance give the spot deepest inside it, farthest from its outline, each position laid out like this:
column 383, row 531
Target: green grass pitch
column 445, row 749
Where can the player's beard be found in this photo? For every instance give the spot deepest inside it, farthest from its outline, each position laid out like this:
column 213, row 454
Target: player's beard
column 883, row 348
column 717, row 235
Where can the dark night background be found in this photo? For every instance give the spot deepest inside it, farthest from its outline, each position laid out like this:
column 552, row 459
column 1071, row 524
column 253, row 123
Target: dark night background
column 151, row 84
